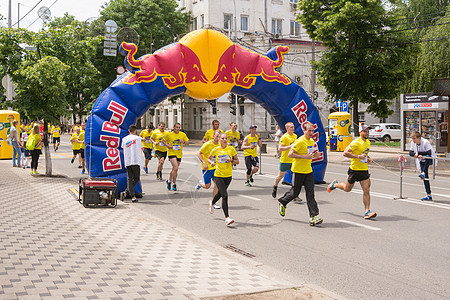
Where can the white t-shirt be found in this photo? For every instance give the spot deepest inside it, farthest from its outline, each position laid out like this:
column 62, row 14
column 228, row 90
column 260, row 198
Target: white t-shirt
column 132, row 150
column 278, row 135
column 424, row 146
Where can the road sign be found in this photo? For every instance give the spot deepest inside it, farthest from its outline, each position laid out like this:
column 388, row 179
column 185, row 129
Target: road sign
column 109, row 52
column 110, row 37
column 338, row 103
column 344, row 107
column 109, row 44
column 110, row 26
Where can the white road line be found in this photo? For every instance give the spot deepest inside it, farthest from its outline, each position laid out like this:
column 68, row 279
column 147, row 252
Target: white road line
column 190, row 162
column 359, row 225
column 249, row 197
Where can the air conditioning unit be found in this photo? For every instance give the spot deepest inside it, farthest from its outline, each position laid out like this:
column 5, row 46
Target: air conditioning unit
column 276, row 36
column 298, row 79
column 293, row 6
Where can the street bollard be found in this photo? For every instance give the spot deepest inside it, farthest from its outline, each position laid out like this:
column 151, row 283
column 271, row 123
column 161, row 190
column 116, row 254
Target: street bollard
column 401, row 160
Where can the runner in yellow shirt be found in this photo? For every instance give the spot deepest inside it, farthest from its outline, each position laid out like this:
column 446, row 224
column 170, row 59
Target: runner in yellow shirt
column 223, row 158
column 358, row 151
column 175, row 141
column 303, row 151
column 147, row 145
column 249, row 145
column 234, row 137
column 209, row 134
column 158, row 139
column 284, row 146
column 76, row 146
column 83, row 146
column 56, row 132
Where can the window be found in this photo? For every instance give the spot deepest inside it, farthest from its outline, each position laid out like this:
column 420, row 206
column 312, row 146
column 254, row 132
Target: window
column 293, row 1
column 360, row 116
column 158, row 116
column 194, row 110
column 273, row 123
column 175, row 116
column 194, row 23
column 244, row 23
column 227, row 21
column 166, row 117
column 277, row 26
column 295, row 28
column 202, row 21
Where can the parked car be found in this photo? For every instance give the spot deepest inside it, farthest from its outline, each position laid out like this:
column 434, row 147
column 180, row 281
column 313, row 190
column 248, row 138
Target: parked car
column 385, row 132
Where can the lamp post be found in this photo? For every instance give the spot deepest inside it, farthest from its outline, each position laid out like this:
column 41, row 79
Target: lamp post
column 235, row 22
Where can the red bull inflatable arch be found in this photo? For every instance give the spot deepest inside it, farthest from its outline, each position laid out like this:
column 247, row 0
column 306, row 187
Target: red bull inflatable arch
column 205, row 64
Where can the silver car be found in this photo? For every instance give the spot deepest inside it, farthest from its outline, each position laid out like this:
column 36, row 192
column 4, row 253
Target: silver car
column 385, row 132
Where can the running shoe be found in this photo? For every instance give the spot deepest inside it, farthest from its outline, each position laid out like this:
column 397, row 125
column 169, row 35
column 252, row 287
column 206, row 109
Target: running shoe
column 79, row 167
column 274, row 191
column 169, row 184
column 315, row 221
column 83, row 171
column 56, row 148
column 122, row 196
column 216, row 206
column 422, row 175
column 36, row 172
column 251, row 178
column 31, row 172
column 370, row 215
column 174, row 187
column 146, row 170
column 427, row 198
column 72, row 160
column 248, row 183
column 134, row 200
column 198, row 186
column 229, row 221
column 211, row 210
column 331, row 186
column 282, row 210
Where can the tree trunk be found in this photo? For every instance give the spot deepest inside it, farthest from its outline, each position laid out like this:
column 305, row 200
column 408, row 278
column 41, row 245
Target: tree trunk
column 48, row 159
column 355, row 117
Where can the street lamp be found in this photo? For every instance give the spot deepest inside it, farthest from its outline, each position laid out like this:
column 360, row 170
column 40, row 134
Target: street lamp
column 235, row 22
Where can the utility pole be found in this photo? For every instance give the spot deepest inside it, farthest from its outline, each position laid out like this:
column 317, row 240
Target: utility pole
column 235, row 22
column 313, row 73
column 9, row 14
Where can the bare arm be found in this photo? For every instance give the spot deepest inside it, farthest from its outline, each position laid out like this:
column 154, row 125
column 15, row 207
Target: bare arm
column 292, row 154
column 200, row 157
column 244, row 144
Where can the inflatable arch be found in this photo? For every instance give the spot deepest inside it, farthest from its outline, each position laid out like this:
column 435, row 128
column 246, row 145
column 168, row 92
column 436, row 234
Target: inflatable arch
column 205, row 64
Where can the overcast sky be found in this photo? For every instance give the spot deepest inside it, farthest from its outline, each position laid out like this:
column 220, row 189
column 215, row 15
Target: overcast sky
column 81, row 9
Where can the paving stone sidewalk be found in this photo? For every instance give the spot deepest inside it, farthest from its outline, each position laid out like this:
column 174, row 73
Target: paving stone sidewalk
column 51, row 247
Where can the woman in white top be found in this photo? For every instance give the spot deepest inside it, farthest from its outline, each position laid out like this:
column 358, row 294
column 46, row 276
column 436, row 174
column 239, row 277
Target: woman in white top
column 16, row 143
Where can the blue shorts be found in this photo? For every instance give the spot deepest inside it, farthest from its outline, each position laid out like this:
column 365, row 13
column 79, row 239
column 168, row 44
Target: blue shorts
column 285, row 166
column 208, row 175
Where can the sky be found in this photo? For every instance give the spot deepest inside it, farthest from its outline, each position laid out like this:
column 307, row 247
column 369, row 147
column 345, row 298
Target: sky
column 81, row 9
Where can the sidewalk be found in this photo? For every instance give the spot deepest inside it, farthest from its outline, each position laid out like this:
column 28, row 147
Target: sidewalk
column 54, row 248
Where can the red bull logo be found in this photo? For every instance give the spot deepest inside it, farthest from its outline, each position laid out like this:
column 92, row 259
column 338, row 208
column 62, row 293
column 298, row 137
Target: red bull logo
column 225, row 65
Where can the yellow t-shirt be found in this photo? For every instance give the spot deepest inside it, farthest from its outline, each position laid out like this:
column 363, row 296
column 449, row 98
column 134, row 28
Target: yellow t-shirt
column 81, row 138
column 251, row 140
column 286, row 140
column 206, row 151
column 37, row 139
column 302, row 146
column 73, row 139
column 174, row 139
column 209, row 134
column 358, row 147
column 56, row 131
column 146, row 135
column 223, row 168
column 233, row 137
column 158, row 136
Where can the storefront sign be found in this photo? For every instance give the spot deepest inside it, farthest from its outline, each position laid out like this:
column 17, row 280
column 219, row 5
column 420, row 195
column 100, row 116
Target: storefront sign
column 423, row 97
column 422, row 105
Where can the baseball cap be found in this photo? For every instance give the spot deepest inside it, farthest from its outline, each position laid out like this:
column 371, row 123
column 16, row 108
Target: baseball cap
column 253, row 126
column 363, row 127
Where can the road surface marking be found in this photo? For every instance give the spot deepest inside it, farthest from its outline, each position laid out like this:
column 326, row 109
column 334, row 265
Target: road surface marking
column 249, row 197
column 359, row 225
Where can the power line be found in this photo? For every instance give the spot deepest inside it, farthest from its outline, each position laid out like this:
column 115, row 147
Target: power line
column 39, row 17
column 27, row 13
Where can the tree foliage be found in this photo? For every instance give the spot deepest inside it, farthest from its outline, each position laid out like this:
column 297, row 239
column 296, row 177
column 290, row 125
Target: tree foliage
column 364, row 63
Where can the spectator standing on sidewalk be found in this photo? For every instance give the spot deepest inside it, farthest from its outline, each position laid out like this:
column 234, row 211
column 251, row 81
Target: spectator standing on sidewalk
column 302, row 152
column 284, row 146
column 36, row 149
column 134, row 160
column 16, row 143
column 421, row 148
column 358, row 151
column 249, row 145
column 223, row 158
column 278, row 134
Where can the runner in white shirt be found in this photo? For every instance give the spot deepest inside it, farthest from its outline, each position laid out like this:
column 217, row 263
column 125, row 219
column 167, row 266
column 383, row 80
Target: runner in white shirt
column 132, row 152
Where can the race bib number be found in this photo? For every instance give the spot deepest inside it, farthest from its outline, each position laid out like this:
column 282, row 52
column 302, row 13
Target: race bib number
column 162, row 144
column 223, row 158
column 310, row 149
column 147, row 139
column 253, row 144
column 176, row 147
column 235, row 144
column 364, row 161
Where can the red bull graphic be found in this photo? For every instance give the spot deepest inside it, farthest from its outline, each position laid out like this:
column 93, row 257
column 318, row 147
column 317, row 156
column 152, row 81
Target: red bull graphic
column 231, row 69
column 205, row 64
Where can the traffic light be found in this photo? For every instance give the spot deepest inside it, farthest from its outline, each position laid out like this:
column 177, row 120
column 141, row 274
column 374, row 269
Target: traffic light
column 232, row 98
column 233, row 110
column 151, row 111
column 213, row 103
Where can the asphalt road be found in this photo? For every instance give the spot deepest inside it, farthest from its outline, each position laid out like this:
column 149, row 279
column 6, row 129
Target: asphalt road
column 403, row 253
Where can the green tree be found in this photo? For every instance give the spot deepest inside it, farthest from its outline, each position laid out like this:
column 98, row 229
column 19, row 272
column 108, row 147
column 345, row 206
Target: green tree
column 364, row 63
column 41, row 93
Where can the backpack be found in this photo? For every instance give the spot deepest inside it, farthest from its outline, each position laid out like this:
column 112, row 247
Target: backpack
column 30, row 142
